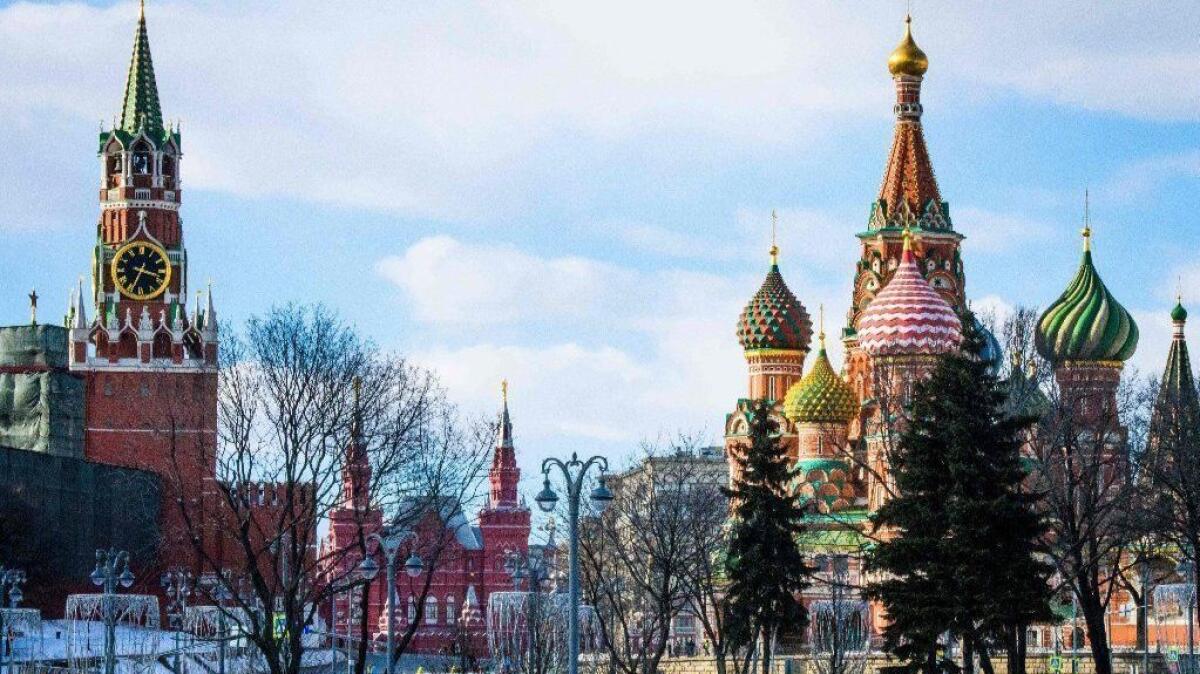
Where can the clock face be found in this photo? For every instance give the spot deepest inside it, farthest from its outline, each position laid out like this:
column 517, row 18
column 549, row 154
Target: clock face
column 141, row 270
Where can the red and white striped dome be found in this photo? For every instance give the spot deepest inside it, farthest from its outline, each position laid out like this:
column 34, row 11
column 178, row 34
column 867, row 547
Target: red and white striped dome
column 908, row 317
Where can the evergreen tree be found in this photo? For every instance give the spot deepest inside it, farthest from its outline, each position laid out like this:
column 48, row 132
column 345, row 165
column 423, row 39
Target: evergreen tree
column 959, row 544
column 765, row 568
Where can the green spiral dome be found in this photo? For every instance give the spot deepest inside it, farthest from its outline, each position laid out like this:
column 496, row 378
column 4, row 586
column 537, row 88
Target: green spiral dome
column 1086, row 323
column 821, row 396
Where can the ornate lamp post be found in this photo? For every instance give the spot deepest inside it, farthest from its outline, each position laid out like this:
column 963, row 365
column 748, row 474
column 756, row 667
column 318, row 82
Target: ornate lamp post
column 177, row 585
column 390, row 540
column 531, row 570
column 10, row 583
column 107, row 576
column 1187, row 569
column 573, row 472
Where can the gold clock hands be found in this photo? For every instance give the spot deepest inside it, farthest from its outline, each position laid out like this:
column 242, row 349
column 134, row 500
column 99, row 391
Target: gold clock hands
column 136, row 278
column 143, row 270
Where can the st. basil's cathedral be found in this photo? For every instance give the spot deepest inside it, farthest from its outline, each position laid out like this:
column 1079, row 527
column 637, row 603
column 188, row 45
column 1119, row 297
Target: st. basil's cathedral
column 909, row 291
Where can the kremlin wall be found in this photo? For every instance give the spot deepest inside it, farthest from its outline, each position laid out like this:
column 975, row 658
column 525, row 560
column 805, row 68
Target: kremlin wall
column 84, row 401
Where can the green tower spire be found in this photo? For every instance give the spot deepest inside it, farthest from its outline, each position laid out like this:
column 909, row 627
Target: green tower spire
column 142, row 109
column 1178, row 386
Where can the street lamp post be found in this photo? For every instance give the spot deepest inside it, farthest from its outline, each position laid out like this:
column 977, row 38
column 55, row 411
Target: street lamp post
column 219, row 592
column 532, row 570
column 1187, row 569
column 112, row 568
column 390, row 540
column 177, row 585
column 573, row 472
column 10, row 583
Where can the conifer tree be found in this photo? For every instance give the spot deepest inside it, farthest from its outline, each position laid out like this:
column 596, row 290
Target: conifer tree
column 960, row 538
column 766, row 570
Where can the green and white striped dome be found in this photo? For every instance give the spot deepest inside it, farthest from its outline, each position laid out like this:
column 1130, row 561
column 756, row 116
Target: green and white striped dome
column 1086, row 323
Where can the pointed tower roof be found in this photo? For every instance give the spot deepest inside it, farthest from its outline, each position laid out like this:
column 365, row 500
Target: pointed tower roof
column 909, row 194
column 908, row 317
column 504, row 432
column 1086, row 323
column 79, row 313
column 1178, row 385
column 141, row 109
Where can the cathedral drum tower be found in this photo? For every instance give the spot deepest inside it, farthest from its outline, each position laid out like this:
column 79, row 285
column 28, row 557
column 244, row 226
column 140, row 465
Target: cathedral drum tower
column 775, row 331
column 150, row 366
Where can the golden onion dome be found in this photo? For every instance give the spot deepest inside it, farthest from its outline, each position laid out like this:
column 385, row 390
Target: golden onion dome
column 907, row 58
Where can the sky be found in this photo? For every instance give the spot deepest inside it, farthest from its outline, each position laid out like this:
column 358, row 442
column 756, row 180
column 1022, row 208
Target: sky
column 576, row 196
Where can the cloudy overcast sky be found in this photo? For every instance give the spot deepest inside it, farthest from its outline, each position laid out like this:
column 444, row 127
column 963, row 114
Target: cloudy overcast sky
column 576, row 196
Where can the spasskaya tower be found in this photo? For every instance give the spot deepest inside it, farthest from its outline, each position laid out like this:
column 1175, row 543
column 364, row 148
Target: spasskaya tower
column 149, row 360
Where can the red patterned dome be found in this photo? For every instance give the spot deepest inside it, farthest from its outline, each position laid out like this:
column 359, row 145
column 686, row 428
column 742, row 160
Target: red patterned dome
column 774, row 318
column 908, row 317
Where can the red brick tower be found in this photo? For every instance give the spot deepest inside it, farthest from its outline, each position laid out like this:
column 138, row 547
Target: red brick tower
column 504, row 520
column 351, row 522
column 150, row 367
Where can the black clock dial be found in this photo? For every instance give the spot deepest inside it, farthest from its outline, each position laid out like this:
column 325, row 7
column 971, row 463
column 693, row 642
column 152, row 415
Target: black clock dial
column 141, row 270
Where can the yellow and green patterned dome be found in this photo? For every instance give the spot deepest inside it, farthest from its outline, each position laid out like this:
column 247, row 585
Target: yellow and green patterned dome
column 1086, row 323
column 821, row 396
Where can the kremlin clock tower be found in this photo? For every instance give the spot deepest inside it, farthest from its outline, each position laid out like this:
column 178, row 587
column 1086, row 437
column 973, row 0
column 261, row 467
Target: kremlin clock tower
column 150, row 365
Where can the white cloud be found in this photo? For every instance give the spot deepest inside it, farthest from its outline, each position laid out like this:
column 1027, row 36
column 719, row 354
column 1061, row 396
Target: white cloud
column 458, row 110
column 603, row 353
column 448, row 282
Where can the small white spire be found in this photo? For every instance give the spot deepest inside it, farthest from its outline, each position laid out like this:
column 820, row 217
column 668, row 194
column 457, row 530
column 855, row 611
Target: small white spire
column 80, row 321
column 210, row 313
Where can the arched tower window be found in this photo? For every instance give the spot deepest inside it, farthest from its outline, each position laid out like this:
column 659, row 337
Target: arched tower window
column 412, row 609
column 143, row 159
column 170, row 166
column 451, row 613
column 431, row 611
column 162, row 346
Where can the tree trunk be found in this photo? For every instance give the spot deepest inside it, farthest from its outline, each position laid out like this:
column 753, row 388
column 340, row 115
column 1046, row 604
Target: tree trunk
column 1015, row 646
column 931, row 665
column 985, row 659
column 766, row 652
column 1097, row 634
column 968, row 654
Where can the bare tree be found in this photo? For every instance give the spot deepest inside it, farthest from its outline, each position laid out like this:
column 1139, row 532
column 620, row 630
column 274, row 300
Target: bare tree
column 311, row 419
column 637, row 558
column 1079, row 459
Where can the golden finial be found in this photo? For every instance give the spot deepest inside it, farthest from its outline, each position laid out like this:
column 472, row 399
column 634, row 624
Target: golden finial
column 504, row 390
column 33, row 298
column 907, row 58
column 908, row 236
column 821, row 325
column 142, row 11
column 1087, row 223
column 774, row 248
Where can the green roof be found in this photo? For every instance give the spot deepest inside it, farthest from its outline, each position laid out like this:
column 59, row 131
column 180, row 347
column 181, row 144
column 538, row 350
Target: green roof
column 1086, row 322
column 142, row 110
